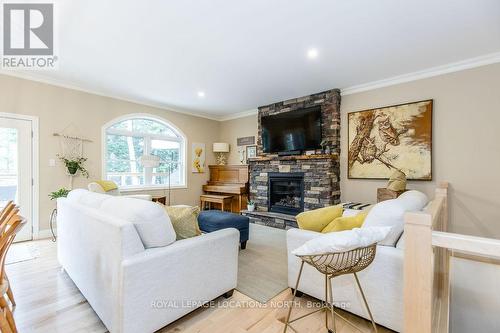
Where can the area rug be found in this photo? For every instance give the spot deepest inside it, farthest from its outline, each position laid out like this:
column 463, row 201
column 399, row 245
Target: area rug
column 262, row 270
column 22, row 252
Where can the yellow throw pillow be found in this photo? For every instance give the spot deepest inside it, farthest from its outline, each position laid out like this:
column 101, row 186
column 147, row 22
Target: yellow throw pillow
column 316, row 220
column 346, row 223
column 184, row 220
column 107, row 185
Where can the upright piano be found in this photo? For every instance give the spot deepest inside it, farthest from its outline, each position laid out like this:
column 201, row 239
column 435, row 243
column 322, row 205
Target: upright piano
column 229, row 180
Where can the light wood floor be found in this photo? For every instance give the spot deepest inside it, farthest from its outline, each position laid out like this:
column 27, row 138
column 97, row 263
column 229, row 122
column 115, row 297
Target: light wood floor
column 48, row 301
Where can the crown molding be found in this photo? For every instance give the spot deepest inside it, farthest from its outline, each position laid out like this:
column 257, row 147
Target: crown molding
column 66, row 85
column 426, row 73
column 414, row 76
column 239, row 115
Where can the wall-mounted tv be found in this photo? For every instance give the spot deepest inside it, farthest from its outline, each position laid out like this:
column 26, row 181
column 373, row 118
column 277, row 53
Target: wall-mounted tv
column 292, row 132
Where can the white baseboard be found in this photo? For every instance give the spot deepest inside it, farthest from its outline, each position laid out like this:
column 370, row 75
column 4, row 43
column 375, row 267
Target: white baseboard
column 44, row 234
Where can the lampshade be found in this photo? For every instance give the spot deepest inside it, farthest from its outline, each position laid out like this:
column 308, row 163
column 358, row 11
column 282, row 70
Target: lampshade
column 149, row 161
column 221, row 147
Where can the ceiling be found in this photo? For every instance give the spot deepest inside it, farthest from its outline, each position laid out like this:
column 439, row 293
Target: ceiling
column 243, row 54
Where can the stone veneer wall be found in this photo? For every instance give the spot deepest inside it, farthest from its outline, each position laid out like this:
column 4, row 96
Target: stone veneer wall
column 321, row 172
column 330, row 114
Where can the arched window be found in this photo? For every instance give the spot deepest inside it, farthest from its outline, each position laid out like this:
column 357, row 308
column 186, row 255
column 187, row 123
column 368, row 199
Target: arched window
column 142, row 151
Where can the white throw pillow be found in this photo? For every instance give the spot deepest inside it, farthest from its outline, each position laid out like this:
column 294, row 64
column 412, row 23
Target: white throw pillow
column 87, row 198
column 413, row 200
column 390, row 213
column 150, row 220
column 342, row 241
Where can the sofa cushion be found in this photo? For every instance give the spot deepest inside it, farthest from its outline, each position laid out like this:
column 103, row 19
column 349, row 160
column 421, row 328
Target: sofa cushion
column 318, row 219
column 342, row 241
column 151, row 222
column 390, row 213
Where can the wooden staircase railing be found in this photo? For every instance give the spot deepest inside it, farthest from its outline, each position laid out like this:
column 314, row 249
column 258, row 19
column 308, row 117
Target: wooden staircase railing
column 428, row 248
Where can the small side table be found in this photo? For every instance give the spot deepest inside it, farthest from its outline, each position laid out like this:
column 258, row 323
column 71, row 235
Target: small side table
column 162, row 200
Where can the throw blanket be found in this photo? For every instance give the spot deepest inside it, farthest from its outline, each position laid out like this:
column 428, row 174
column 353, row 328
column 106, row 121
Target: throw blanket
column 107, row 185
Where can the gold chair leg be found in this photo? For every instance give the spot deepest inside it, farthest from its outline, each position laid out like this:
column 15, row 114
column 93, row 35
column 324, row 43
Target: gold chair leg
column 326, row 301
column 293, row 298
column 366, row 303
column 332, row 309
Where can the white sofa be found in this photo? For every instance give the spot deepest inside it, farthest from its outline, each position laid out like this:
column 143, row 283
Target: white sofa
column 382, row 281
column 122, row 255
column 97, row 188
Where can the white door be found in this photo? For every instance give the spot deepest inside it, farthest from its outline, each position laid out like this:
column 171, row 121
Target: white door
column 16, row 169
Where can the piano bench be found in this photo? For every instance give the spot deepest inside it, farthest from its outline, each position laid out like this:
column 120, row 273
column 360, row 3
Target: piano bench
column 223, row 200
column 213, row 220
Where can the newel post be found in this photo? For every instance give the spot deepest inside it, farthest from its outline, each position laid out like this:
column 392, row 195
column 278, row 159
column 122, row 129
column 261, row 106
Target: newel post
column 418, row 273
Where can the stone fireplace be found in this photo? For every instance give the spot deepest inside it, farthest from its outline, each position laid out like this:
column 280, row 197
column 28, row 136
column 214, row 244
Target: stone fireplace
column 286, row 192
column 283, row 186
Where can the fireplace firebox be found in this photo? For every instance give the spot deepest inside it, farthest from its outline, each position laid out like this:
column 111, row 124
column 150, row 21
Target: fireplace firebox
column 286, row 192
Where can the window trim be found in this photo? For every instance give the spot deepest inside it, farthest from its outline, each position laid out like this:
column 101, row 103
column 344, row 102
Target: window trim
column 182, row 140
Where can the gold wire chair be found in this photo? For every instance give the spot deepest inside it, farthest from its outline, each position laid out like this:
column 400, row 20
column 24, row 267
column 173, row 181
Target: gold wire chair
column 333, row 265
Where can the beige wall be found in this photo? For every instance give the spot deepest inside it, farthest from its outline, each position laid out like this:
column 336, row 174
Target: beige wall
column 465, row 149
column 466, row 153
column 59, row 107
column 466, row 146
column 230, row 130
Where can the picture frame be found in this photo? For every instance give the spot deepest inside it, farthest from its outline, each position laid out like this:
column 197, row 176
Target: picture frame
column 198, row 158
column 397, row 137
column 251, row 151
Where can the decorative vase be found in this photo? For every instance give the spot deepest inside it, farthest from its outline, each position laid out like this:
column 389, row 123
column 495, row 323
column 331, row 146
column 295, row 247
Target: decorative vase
column 251, row 208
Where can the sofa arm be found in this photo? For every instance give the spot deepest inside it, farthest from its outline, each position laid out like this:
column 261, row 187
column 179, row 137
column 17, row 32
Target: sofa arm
column 178, row 277
column 297, row 237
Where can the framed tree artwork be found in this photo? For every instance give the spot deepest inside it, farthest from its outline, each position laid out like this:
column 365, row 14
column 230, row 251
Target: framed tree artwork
column 386, row 139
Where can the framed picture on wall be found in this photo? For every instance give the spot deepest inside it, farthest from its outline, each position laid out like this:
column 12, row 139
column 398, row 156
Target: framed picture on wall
column 198, row 158
column 251, row 151
column 386, row 139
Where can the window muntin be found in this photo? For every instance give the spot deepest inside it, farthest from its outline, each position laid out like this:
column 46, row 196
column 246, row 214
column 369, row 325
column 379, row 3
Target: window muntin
column 129, row 139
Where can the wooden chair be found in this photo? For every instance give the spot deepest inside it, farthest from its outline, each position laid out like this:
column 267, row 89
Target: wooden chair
column 5, row 215
column 9, row 229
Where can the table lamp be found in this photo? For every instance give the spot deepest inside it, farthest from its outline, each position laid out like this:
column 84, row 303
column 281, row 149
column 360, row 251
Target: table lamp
column 221, row 149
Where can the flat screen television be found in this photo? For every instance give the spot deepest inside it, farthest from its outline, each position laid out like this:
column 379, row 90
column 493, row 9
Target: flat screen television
column 292, row 132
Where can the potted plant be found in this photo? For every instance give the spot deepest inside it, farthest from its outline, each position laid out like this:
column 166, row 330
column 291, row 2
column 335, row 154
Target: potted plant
column 73, row 165
column 60, row 193
column 251, row 206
